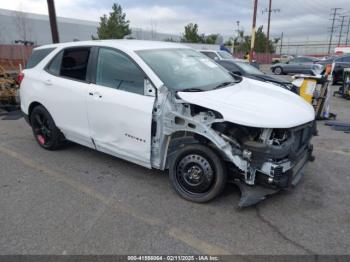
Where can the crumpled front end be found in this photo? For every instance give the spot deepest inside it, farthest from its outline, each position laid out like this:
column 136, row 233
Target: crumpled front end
column 275, row 158
column 262, row 160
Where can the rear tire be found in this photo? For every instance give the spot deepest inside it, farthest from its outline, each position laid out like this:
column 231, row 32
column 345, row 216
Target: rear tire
column 197, row 173
column 46, row 133
column 278, row 70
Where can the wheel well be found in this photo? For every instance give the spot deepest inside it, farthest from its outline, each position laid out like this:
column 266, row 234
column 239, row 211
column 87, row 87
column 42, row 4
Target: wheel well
column 180, row 139
column 31, row 107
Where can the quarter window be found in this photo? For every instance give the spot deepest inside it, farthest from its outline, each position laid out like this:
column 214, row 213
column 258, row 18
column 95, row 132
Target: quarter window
column 55, row 64
column 116, row 70
column 37, row 56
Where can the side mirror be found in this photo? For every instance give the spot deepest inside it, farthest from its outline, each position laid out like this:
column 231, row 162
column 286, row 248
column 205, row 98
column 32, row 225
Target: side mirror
column 149, row 89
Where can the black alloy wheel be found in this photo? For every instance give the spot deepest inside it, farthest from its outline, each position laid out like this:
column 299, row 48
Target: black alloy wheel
column 44, row 129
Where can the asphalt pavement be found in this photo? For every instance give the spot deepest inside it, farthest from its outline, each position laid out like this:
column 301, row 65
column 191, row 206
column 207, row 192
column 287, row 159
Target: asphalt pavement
column 79, row 201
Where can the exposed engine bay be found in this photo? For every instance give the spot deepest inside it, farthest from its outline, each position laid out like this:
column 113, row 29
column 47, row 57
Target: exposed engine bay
column 261, row 161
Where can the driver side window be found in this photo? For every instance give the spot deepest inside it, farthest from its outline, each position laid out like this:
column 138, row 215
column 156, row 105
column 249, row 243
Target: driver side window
column 116, row 70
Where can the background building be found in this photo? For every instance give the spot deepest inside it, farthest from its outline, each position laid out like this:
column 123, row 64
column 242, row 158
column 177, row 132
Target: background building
column 16, row 25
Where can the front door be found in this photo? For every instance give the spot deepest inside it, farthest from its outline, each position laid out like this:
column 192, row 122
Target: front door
column 120, row 115
column 65, row 82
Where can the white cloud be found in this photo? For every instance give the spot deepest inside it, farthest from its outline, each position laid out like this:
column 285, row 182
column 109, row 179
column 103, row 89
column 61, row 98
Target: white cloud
column 298, row 18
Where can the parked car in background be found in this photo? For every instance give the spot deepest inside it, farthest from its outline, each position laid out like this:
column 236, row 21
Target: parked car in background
column 217, row 55
column 298, row 65
column 166, row 106
column 247, row 70
column 223, row 55
column 341, row 62
column 282, row 59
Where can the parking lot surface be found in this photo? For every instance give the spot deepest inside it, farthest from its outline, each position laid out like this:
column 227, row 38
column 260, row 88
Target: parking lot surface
column 79, row 201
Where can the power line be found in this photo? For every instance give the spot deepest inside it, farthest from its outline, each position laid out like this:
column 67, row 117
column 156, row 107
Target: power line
column 334, row 14
column 341, row 28
column 347, row 33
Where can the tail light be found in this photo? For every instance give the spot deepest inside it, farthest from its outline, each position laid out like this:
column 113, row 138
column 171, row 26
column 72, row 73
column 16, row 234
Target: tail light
column 20, row 78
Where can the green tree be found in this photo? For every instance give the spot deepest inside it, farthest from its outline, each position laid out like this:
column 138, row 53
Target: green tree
column 211, row 39
column 116, row 26
column 191, row 34
column 260, row 42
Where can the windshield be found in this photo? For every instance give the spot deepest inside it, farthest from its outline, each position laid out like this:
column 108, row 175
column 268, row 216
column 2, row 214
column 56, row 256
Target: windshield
column 249, row 69
column 181, row 69
column 225, row 55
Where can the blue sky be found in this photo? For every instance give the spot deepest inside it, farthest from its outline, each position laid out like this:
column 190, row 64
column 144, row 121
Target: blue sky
column 298, row 19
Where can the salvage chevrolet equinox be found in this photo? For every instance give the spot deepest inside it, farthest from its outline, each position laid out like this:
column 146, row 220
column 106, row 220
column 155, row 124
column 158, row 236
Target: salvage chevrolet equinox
column 166, row 106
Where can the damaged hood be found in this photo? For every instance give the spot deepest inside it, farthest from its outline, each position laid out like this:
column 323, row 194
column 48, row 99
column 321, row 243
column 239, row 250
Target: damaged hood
column 255, row 104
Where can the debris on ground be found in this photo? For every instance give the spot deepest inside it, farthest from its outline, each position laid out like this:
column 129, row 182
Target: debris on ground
column 339, row 126
column 9, row 95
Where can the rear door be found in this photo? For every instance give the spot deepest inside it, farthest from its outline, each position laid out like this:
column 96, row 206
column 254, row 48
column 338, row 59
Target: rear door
column 292, row 66
column 307, row 64
column 120, row 114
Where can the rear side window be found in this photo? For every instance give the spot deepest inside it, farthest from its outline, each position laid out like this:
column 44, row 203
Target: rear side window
column 71, row 63
column 74, row 63
column 55, row 65
column 37, row 56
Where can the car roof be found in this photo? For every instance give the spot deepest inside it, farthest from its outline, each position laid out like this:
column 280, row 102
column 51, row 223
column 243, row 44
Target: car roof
column 123, row 44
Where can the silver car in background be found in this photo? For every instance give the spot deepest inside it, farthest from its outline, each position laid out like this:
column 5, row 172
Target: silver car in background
column 298, row 65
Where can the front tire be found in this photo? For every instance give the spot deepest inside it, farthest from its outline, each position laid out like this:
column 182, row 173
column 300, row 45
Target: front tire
column 278, row 70
column 197, row 173
column 44, row 129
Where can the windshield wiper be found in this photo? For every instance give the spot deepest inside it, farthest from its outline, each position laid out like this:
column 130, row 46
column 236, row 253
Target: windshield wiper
column 223, row 84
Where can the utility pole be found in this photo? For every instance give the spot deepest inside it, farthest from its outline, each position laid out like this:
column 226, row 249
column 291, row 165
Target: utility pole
column 238, row 37
column 53, row 21
column 341, row 28
column 252, row 44
column 269, row 11
column 281, row 44
column 347, row 33
column 334, row 14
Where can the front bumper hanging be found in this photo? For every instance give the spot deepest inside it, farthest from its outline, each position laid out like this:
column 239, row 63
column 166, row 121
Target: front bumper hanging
column 251, row 195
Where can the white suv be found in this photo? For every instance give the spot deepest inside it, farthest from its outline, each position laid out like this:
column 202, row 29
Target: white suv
column 166, row 106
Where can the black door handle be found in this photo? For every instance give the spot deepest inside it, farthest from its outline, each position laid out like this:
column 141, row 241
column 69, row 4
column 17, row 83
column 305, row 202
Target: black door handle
column 91, row 94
